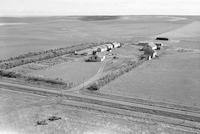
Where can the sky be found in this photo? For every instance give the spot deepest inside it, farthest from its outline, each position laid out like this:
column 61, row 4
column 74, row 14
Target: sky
column 98, row 7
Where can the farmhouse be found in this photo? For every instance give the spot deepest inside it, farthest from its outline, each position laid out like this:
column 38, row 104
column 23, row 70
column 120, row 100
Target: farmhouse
column 96, row 58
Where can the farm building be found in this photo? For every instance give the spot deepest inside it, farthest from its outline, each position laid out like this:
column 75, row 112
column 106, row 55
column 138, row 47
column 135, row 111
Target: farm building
column 159, row 45
column 149, row 53
column 102, row 48
column 116, row 44
column 162, row 38
column 96, row 58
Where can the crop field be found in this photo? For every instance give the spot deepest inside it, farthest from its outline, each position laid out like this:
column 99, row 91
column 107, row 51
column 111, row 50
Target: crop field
column 43, row 33
column 173, row 78
column 76, row 72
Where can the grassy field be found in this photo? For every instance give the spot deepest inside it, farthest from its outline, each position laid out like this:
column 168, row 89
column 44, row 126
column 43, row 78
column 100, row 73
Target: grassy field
column 42, row 33
column 76, row 72
column 24, row 110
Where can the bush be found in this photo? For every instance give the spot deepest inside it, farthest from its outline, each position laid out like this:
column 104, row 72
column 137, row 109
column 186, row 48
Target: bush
column 93, row 87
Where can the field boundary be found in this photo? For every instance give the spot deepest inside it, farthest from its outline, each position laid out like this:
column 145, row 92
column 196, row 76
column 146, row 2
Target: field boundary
column 174, row 117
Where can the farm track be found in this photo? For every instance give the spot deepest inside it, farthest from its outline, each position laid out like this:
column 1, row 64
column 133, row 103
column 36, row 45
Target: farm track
column 191, row 120
column 90, row 80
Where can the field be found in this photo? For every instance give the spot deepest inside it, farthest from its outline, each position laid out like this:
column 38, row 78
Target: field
column 25, row 110
column 34, row 34
column 38, row 56
column 173, row 78
column 79, row 71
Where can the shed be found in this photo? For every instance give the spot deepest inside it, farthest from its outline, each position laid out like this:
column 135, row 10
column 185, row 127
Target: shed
column 162, row 38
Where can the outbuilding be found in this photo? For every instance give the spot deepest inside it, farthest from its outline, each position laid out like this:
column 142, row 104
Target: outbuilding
column 159, row 45
column 149, row 53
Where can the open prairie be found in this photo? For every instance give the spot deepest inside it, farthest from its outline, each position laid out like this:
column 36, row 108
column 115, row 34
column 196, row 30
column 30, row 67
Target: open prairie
column 22, row 35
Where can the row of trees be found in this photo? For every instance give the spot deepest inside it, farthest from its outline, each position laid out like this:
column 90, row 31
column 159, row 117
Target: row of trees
column 115, row 74
column 43, row 55
column 33, row 79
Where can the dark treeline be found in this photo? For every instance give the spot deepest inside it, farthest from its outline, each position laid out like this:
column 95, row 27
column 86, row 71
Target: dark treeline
column 128, row 66
column 43, row 55
column 33, row 79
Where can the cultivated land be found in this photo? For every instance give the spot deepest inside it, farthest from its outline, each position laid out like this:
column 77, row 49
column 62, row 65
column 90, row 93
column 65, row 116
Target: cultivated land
column 174, row 77
column 135, row 96
column 54, row 32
